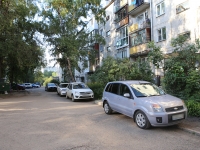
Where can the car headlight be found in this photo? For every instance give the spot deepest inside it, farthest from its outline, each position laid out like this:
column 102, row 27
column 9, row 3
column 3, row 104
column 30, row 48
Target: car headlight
column 157, row 108
column 77, row 93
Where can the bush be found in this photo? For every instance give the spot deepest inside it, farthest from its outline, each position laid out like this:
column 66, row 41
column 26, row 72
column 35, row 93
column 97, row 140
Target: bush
column 97, row 88
column 193, row 108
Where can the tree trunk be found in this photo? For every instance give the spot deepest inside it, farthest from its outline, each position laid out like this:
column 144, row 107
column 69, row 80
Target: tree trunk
column 1, row 67
column 70, row 70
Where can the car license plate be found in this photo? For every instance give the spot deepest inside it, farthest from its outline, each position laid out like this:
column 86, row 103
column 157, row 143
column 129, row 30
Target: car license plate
column 178, row 116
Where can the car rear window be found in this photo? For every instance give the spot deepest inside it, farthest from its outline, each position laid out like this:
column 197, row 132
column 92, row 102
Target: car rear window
column 114, row 88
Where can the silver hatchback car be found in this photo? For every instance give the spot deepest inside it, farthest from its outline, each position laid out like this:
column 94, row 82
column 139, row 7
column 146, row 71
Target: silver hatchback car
column 143, row 101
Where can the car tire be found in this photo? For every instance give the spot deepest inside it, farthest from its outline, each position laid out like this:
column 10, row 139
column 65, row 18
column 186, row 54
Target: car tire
column 142, row 120
column 73, row 100
column 107, row 108
column 66, row 96
column 57, row 93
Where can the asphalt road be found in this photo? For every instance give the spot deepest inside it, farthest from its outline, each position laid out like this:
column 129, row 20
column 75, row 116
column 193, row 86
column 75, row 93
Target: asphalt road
column 44, row 121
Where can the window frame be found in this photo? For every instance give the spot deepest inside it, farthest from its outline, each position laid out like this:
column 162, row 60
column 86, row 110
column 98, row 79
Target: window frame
column 161, row 29
column 108, row 33
column 160, row 7
column 187, row 3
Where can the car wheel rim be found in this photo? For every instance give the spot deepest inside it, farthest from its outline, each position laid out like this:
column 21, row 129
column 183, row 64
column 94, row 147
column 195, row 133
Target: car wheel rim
column 106, row 108
column 141, row 120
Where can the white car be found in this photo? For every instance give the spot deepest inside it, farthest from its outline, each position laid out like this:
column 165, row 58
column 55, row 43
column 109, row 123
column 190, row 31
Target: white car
column 79, row 90
column 28, row 85
column 61, row 89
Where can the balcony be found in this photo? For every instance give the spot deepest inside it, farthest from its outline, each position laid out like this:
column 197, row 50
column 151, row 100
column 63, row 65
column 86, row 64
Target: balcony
column 139, row 26
column 122, row 22
column 139, row 50
column 120, row 4
column 138, row 8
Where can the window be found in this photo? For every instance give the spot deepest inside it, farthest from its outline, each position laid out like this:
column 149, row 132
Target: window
column 186, row 34
column 161, row 34
column 138, row 38
column 122, row 37
column 114, row 88
column 109, row 49
column 122, row 53
column 108, row 33
column 101, row 47
column 160, row 9
column 182, row 7
column 124, row 89
column 107, row 18
column 101, row 32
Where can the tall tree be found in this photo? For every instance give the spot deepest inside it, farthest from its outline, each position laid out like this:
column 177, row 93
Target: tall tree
column 67, row 30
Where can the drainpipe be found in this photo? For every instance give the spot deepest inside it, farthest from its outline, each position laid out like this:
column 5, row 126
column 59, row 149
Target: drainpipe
column 151, row 11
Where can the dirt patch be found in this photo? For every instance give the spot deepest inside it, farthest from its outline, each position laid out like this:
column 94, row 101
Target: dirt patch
column 14, row 94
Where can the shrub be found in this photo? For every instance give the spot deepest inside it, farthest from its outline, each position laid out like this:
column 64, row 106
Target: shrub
column 97, row 88
column 193, row 108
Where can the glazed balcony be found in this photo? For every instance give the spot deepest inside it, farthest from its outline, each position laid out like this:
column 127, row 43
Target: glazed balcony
column 135, row 9
column 122, row 22
column 138, row 26
column 119, row 4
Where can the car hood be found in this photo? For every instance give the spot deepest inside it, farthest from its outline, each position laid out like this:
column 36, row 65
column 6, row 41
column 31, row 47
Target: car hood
column 164, row 100
column 52, row 86
column 82, row 90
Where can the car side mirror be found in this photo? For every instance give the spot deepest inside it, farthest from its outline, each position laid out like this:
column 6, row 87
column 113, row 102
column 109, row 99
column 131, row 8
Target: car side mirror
column 127, row 95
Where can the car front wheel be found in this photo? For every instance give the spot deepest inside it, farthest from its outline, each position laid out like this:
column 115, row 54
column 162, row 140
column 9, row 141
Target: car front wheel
column 73, row 100
column 107, row 108
column 142, row 120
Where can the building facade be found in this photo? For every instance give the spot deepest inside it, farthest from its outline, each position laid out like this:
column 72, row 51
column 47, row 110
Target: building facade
column 131, row 24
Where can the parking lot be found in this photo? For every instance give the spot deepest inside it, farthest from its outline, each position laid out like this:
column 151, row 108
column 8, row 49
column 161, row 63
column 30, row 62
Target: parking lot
column 40, row 120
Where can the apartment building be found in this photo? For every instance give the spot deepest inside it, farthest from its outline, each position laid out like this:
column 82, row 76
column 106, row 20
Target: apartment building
column 131, row 24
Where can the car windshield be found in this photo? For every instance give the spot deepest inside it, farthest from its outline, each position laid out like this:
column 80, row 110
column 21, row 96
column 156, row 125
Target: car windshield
column 146, row 89
column 51, row 84
column 63, row 85
column 80, row 86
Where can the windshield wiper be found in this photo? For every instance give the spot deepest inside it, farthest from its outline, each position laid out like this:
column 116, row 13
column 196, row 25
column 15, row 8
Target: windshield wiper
column 141, row 96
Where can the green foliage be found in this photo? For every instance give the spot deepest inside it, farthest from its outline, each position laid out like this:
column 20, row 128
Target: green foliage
column 155, row 55
column 121, row 69
column 97, row 88
column 20, row 53
column 193, row 107
column 181, row 75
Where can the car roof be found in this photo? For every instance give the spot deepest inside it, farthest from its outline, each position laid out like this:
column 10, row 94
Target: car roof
column 130, row 81
column 77, row 82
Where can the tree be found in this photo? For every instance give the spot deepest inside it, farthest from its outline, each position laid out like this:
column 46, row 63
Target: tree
column 20, row 53
column 181, row 72
column 121, row 69
column 67, row 31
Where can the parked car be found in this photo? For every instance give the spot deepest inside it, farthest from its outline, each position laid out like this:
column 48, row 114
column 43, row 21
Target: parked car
column 35, row 85
column 28, row 85
column 61, row 89
column 78, row 91
column 146, row 103
column 51, row 87
column 15, row 86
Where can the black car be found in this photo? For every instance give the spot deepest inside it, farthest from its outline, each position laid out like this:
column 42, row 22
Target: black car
column 51, row 87
column 15, row 86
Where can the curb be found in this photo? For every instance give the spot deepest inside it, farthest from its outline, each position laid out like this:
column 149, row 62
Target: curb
column 99, row 102
column 190, row 131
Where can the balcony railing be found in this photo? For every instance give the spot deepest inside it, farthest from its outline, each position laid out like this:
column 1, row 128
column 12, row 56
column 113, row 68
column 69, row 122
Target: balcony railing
column 138, row 50
column 122, row 22
column 135, row 27
column 135, row 9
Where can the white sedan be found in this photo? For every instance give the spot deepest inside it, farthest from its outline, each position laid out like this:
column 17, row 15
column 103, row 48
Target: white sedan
column 79, row 90
column 61, row 89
